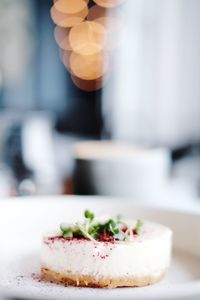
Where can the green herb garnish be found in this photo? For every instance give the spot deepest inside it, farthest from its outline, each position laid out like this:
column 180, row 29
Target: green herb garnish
column 113, row 229
column 68, row 234
column 89, row 215
column 139, row 226
column 67, row 231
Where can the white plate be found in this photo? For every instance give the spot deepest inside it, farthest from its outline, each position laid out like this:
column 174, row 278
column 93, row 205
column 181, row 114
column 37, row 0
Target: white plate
column 22, row 223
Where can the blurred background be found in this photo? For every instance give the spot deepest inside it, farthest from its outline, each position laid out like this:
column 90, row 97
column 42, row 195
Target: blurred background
column 143, row 125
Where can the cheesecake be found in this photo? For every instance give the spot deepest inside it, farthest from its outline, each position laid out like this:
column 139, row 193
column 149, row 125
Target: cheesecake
column 106, row 253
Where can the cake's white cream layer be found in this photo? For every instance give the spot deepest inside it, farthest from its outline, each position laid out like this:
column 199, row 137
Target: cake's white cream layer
column 147, row 255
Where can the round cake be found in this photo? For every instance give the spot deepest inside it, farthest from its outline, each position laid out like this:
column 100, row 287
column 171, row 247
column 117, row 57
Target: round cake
column 107, row 253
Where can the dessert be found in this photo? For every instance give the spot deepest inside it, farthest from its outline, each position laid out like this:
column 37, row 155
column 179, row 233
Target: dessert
column 106, row 253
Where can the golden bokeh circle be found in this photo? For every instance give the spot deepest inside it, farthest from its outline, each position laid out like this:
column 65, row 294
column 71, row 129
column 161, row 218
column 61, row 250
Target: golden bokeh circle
column 88, row 38
column 66, row 60
column 89, row 67
column 70, row 7
column 67, row 21
column 62, row 37
column 86, row 1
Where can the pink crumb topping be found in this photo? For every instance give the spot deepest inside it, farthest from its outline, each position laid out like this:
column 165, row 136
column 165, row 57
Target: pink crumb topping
column 52, row 240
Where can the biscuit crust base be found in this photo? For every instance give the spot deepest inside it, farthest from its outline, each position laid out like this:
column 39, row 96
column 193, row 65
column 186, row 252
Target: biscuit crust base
column 104, row 282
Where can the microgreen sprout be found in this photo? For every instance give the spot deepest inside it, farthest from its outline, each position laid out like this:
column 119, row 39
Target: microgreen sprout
column 113, row 229
column 67, row 231
column 139, row 226
column 89, row 215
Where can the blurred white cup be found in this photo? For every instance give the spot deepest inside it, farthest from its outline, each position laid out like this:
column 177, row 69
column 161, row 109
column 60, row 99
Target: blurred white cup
column 124, row 170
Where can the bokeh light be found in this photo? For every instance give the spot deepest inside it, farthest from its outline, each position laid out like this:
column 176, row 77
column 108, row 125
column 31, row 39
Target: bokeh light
column 89, row 67
column 62, row 37
column 65, row 57
column 70, row 7
column 88, row 38
column 86, row 1
column 68, row 20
